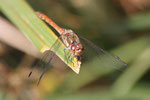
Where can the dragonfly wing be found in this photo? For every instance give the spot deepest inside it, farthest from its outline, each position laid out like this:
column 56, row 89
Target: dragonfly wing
column 45, row 63
column 46, row 59
column 105, row 59
column 42, row 61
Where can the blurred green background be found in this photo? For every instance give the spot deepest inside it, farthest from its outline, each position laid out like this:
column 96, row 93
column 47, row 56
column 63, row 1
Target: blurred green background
column 118, row 26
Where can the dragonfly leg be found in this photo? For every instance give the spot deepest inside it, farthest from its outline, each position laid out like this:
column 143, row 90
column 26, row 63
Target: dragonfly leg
column 72, row 59
column 69, row 57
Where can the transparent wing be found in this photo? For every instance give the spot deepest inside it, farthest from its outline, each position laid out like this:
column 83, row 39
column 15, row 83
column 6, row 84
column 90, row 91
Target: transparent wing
column 46, row 59
column 100, row 57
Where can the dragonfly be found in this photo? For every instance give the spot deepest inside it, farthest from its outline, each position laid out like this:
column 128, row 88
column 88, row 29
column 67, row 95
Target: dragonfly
column 76, row 50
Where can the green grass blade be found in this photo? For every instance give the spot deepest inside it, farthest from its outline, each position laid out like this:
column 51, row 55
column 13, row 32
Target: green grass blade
column 24, row 17
column 140, row 92
column 128, row 79
column 139, row 21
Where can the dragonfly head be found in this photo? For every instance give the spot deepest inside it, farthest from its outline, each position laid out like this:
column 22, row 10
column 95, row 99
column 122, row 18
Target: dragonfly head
column 79, row 49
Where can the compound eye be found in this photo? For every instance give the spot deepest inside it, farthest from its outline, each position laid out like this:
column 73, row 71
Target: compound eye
column 73, row 47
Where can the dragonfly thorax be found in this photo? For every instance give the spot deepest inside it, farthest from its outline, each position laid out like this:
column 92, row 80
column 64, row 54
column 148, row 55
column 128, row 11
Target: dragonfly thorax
column 69, row 37
column 71, row 40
